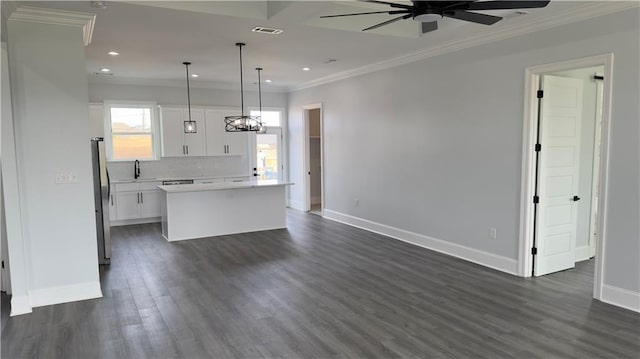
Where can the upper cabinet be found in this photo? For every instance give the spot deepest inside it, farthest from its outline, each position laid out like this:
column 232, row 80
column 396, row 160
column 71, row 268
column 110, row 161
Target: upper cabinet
column 176, row 143
column 211, row 138
column 220, row 142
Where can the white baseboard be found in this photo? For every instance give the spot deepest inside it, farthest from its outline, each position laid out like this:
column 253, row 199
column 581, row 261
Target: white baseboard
column 316, row 200
column 127, row 222
column 582, row 253
column 621, row 297
column 20, row 304
column 501, row 263
column 64, row 294
column 297, row 205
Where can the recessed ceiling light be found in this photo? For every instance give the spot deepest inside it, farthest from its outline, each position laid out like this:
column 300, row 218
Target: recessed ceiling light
column 194, row 75
column 104, row 69
column 113, row 53
column 306, row 69
column 99, row 4
column 267, row 81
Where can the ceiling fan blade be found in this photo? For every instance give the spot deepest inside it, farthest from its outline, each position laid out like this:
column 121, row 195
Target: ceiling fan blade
column 429, row 26
column 368, row 13
column 503, row 5
column 387, row 22
column 473, row 17
column 401, row 6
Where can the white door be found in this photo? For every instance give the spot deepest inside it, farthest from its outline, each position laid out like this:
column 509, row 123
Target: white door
column 150, row 203
column 269, row 154
column 214, row 128
column 172, row 132
column 128, row 205
column 560, row 126
column 237, row 143
column 195, row 142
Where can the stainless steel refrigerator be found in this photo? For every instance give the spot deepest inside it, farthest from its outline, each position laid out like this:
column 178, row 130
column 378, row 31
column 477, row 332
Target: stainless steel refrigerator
column 102, row 188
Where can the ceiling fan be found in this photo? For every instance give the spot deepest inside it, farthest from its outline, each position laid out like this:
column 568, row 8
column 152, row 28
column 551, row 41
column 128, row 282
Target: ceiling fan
column 428, row 12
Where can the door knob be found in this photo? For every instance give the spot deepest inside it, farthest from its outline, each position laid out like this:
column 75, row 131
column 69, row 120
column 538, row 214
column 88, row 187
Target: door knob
column 575, row 198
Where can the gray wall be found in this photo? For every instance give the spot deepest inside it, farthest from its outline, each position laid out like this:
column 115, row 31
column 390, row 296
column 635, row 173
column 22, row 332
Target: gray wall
column 589, row 101
column 49, row 95
column 435, row 147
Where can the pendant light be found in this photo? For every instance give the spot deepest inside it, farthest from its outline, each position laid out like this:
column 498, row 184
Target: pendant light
column 263, row 128
column 242, row 123
column 190, row 126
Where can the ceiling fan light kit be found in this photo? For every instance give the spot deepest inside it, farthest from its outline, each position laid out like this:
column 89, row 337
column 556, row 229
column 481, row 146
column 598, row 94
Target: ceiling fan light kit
column 429, row 12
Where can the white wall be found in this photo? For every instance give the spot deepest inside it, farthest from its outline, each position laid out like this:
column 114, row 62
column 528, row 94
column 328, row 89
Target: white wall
column 49, row 96
column 583, row 233
column 165, row 95
column 434, row 147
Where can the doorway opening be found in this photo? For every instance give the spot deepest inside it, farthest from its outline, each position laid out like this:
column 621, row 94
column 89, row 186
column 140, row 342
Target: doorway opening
column 565, row 151
column 314, row 197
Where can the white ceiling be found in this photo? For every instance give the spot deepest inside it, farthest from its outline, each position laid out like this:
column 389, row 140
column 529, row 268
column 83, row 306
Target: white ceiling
column 155, row 37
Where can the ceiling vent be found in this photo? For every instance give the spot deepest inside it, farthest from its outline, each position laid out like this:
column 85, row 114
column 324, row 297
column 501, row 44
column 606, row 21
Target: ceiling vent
column 266, row 30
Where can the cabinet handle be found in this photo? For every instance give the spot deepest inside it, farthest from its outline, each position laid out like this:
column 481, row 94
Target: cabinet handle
column 138, row 195
column 187, row 149
column 111, row 199
column 141, row 197
column 183, row 149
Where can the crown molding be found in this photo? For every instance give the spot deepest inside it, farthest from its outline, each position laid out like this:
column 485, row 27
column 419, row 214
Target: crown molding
column 209, row 85
column 83, row 20
column 592, row 10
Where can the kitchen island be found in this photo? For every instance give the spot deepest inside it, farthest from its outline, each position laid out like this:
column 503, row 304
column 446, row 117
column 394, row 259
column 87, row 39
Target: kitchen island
column 205, row 210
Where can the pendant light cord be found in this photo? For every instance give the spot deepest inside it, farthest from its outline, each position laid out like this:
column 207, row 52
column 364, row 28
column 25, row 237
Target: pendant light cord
column 186, row 64
column 241, row 84
column 260, row 92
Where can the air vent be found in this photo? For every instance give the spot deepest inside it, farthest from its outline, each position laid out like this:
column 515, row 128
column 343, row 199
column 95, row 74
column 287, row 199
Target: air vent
column 266, row 30
column 103, row 73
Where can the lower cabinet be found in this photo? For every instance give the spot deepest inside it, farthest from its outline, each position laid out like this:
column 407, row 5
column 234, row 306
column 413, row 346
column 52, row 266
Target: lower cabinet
column 137, row 201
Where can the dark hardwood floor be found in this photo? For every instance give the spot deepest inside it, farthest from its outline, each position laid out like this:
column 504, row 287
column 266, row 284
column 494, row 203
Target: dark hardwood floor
column 319, row 289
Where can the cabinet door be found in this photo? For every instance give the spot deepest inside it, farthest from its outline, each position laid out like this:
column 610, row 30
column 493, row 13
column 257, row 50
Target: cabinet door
column 150, row 203
column 172, row 132
column 215, row 134
column 127, row 205
column 195, row 142
column 113, row 212
column 237, row 143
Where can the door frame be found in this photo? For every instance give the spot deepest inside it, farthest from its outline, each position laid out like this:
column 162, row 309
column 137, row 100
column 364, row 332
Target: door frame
column 532, row 80
column 307, row 154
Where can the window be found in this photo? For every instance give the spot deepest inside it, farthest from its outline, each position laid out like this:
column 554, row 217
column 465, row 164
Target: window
column 270, row 118
column 132, row 132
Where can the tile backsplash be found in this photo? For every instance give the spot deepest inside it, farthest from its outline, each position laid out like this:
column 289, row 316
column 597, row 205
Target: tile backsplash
column 182, row 168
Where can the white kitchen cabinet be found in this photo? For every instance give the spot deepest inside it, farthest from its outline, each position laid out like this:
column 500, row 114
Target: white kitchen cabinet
column 128, row 205
column 222, row 143
column 136, row 201
column 176, row 143
column 150, row 203
column 113, row 210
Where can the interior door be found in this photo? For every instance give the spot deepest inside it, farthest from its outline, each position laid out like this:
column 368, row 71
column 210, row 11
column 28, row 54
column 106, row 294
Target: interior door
column 556, row 220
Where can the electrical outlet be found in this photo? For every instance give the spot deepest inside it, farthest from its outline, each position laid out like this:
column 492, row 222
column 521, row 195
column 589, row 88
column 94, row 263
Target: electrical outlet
column 356, row 203
column 493, row 233
column 66, row 177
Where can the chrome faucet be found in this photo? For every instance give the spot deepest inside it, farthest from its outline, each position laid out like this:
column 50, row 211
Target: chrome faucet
column 136, row 169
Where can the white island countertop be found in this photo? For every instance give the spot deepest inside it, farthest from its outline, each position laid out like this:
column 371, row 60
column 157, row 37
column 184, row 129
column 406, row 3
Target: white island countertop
column 196, row 187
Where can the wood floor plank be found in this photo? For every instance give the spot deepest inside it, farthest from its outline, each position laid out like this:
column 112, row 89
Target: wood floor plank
column 318, row 289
